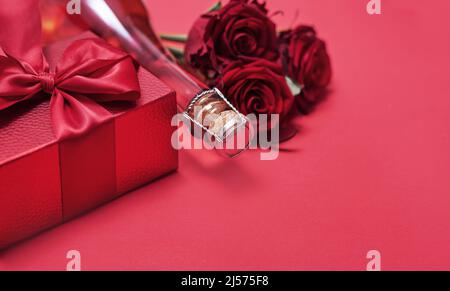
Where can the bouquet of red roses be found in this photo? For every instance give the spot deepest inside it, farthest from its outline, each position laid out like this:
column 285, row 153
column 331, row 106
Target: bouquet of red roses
column 236, row 47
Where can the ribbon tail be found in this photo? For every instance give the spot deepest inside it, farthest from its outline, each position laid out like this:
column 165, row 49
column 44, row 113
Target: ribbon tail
column 74, row 116
column 21, row 30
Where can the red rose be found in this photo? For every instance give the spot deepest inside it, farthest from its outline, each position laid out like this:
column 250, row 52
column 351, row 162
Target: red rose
column 306, row 61
column 257, row 87
column 239, row 30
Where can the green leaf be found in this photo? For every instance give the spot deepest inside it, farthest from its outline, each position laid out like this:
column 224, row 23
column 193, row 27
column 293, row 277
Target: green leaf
column 294, row 86
column 176, row 52
column 215, row 7
column 181, row 38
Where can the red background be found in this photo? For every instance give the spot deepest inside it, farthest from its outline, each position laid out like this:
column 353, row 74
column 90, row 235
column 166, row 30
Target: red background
column 369, row 169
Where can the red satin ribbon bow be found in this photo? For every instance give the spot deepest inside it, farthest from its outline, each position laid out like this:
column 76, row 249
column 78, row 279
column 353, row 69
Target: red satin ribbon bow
column 89, row 72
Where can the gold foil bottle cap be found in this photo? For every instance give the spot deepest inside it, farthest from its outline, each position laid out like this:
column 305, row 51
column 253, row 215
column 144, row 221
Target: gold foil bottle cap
column 227, row 129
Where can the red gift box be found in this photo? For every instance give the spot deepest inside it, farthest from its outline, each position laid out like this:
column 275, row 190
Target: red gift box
column 46, row 180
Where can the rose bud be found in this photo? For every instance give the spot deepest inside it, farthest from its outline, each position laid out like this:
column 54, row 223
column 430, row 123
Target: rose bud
column 239, row 30
column 306, row 61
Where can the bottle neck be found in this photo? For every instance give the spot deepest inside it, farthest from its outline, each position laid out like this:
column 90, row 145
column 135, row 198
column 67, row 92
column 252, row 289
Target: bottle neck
column 118, row 28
